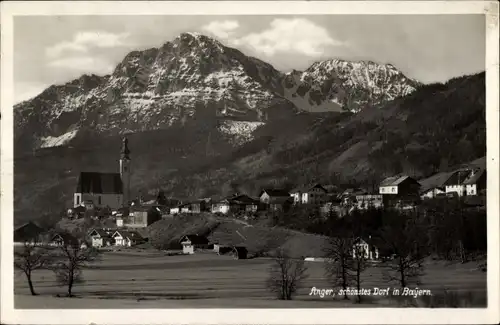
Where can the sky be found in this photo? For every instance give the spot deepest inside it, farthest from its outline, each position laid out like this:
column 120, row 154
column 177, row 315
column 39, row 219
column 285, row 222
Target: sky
column 430, row 48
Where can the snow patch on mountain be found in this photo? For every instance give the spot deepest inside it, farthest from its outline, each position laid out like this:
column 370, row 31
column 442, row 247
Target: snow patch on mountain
column 47, row 142
column 241, row 131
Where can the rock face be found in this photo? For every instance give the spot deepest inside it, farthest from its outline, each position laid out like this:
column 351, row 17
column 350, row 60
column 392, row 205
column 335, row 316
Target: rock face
column 195, row 77
column 337, row 85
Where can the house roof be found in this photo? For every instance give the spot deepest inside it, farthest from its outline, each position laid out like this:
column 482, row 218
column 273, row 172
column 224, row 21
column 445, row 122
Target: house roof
column 99, row 183
column 275, row 192
column 26, row 231
column 66, row 238
column 433, row 188
column 396, row 180
column 474, row 177
column 243, row 199
column 100, row 232
column 128, row 234
column 308, row 187
column 195, row 239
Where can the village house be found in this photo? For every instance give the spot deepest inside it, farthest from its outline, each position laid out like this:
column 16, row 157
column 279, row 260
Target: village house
column 400, row 190
column 65, row 239
column 105, row 189
column 433, row 192
column 221, row 206
column 367, row 249
column 367, row 201
column 28, row 233
column 243, row 203
column 174, row 210
column 275, row 199
column 476, row 182
column 466, row 182
column 127, row 238
column 190, row 243
column 239, row 252
column 101, row 238
column 141, row 216
column 313, row 194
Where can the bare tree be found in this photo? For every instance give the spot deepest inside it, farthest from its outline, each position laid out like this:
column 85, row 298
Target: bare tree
column 31, row 257
column 359, row 264
column 286, row 275
column 339, row 263
column 73, row 256
column 404, row 238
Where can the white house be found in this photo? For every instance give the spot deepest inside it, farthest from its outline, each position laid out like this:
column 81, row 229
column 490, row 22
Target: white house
column 466, row 182
column 476, row 182
column 364, row 202
column 313, row 194
column 127, row 238
column 174, row 210
column 100, row 238
column 365, row 247
column 191, row 242
column 432, row 192
column 221, row 206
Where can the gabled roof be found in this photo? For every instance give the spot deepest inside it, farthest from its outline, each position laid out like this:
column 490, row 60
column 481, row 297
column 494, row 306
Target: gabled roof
column 473, row 178
column 99, row 183
column 433, row 188
column 99, row 232
column 397, row 180
column 243, row 199
column 27, row 231
column 66, row 238
column 458, row 177
column 309, row 187
column 195, row 239
column 275, row 192
column 128, row 234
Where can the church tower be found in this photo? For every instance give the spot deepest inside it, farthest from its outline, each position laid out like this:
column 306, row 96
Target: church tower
column 125, row 171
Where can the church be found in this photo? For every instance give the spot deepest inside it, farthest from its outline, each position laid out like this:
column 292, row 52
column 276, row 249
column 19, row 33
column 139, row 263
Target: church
column 106, row 189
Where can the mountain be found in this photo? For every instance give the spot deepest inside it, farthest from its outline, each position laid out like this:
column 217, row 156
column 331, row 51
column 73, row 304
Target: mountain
column 197, row 77
column 338, row 85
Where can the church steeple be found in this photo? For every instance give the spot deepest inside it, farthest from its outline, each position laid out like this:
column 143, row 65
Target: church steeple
column 125, row 171
column 125, row 153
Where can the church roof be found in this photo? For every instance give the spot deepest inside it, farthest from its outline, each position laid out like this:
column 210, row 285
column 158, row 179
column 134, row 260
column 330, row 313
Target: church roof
column 99, row 183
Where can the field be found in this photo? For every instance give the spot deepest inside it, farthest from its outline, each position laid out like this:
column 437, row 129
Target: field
column 151, row 279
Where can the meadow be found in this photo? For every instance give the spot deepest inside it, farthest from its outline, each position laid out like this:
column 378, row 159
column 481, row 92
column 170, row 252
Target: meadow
column 152, row 279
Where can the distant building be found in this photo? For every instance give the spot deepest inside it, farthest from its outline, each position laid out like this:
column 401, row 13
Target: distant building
column 275, row 199
column 221, row 206
column 433, row 192
column 367, row 248
column 476, row 182
column 312, row 194
column 127, row 238
column 105, row 189
column 192, row 242
column 101, row 238
column 466, row 182
column 142, row 216
column 27, row 233
column 66, row 239
column 399, row 190
column 367, row 201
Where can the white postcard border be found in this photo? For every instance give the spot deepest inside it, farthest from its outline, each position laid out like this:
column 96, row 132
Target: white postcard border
column 9, row 315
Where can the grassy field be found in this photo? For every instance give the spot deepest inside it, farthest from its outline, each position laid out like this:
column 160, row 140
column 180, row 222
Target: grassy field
column 150, row 279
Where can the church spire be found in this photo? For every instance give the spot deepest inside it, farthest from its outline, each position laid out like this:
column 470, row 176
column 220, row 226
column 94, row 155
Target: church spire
column 125, row 153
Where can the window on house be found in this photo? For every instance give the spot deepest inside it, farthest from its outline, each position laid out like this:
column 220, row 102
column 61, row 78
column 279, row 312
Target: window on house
column 77, row 199
column 99, row 200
